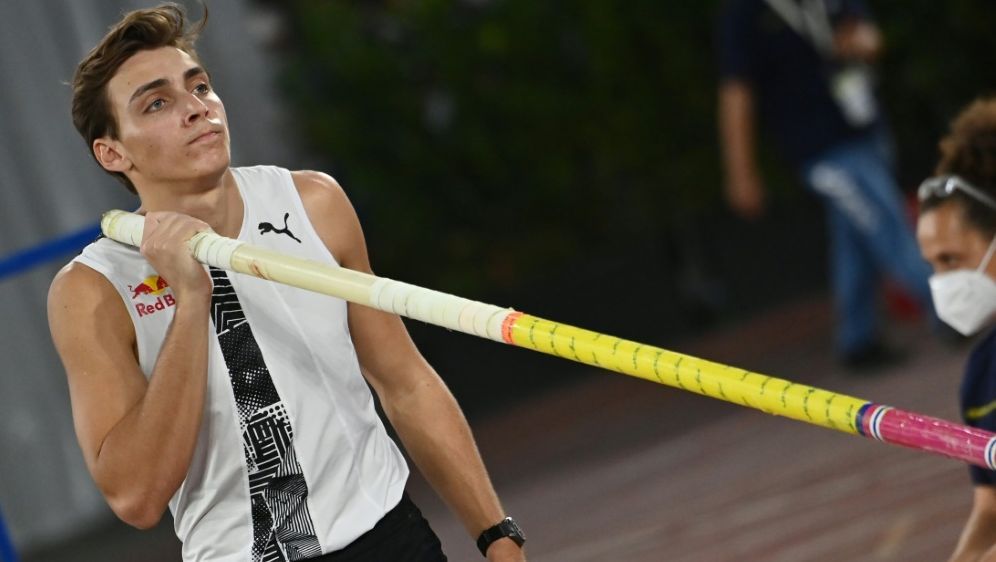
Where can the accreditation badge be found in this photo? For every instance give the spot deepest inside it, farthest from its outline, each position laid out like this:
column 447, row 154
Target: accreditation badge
column 852, row 88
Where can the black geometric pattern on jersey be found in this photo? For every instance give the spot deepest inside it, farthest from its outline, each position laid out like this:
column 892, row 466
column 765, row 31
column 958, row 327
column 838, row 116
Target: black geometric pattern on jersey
column 282, row 529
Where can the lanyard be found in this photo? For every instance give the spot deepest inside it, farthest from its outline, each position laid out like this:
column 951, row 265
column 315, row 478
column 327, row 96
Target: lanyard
column 809, row 19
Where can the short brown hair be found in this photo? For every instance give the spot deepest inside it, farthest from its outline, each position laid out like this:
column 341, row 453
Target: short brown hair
column 969, row 152
column 139, row 30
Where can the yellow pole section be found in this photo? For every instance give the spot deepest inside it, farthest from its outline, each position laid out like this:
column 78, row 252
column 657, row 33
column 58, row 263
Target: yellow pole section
column 753, row 390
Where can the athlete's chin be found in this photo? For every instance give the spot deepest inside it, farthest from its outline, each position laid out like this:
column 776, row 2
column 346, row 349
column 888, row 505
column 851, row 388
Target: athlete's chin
column 204, row 154
column 212, row 164
column 203, row 174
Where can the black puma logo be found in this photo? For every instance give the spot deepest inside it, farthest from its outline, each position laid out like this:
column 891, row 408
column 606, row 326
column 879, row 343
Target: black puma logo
column 265, row 227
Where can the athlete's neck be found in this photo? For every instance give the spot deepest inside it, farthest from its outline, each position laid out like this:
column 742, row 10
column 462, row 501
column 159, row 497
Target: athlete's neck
column 217, row 203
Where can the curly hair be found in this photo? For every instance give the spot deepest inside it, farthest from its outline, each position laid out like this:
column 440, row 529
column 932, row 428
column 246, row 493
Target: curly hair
column 969, row 151
column 139, row 30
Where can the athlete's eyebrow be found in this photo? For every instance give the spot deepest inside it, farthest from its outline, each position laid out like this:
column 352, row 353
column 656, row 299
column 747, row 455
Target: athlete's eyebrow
column 193, row 71
column 157, row 83
column 160, row 82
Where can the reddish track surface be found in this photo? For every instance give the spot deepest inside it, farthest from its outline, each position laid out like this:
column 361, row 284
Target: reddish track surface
column 620, row 469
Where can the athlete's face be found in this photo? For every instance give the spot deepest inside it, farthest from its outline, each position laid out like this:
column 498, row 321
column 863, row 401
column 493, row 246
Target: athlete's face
column 171, row 124
column 948, row 242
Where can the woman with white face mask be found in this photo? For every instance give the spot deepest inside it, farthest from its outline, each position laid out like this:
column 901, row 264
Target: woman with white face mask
column 964, row 293
column 957, row 235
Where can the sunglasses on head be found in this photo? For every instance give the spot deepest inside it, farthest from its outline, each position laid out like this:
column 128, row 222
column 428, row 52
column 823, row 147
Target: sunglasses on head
column 943, row 186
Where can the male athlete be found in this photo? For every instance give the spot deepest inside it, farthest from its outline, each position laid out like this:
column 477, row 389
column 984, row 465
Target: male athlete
column 243, row 405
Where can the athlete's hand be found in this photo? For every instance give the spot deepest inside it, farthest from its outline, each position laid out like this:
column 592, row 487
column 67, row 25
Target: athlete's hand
column 164, row 244
column 505, row 550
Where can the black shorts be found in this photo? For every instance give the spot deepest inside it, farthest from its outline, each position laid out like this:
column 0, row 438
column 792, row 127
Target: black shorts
column 402, row 535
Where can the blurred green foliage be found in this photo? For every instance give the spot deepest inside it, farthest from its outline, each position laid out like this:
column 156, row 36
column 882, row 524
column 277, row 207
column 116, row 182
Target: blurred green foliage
column 938, row 58
column 498, row 139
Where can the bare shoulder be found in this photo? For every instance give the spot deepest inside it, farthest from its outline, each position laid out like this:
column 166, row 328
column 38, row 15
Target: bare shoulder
column 318, row 188
column 78, row 298
column 78, row 283
column 332, row 215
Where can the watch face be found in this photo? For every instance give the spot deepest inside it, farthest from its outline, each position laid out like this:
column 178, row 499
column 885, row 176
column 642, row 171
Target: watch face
column 513, row 530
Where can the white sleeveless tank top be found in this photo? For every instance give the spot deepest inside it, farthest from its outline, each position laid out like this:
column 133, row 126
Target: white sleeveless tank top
column 292, row 460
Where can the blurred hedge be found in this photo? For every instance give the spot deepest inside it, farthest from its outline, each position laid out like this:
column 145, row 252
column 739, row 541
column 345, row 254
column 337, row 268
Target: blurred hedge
column 486, row 141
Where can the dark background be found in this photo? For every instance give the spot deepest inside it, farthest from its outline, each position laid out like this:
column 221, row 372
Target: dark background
column 561, row 158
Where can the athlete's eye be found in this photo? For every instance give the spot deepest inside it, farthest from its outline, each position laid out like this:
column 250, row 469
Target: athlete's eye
column 202, row 88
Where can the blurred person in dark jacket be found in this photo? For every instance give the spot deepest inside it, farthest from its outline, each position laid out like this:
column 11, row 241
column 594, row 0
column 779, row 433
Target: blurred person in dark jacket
column 802, row 68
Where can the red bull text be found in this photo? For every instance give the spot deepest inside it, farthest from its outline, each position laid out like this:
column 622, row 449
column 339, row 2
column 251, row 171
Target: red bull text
column 153, row 286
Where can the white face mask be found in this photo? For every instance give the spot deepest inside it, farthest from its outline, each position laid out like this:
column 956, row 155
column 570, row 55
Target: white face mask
column 965, row 299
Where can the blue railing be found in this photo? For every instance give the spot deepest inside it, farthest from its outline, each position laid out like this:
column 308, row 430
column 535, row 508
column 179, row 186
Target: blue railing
column 7, row 553
column 23, row 260
column 19, row 262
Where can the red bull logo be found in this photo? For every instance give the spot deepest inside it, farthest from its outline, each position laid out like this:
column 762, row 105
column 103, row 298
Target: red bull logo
column 152, row 286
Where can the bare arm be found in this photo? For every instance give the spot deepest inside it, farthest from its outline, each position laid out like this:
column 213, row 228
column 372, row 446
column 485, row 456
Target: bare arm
column 415, row 399
column 744, row 191
column 978, row 539
column 137, row 436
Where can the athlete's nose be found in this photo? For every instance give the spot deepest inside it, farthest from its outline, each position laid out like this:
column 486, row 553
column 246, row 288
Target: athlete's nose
column 196, row 109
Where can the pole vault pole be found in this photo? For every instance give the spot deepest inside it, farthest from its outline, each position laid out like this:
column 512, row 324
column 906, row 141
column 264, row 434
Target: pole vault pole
column 769, row 394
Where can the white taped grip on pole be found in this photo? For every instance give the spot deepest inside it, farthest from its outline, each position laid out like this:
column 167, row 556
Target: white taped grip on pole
column 442, row 309
column 206, row 247
column 434, row 307
column 212, row 249
column 124, row 227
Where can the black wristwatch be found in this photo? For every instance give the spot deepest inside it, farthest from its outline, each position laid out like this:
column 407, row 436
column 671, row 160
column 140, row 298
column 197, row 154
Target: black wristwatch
column 505, row 528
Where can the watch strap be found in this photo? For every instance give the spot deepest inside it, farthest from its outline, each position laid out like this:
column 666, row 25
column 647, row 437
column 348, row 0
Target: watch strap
column 505, row 528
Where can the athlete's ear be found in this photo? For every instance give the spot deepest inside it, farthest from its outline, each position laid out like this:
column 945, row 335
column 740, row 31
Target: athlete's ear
column 111, row 155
